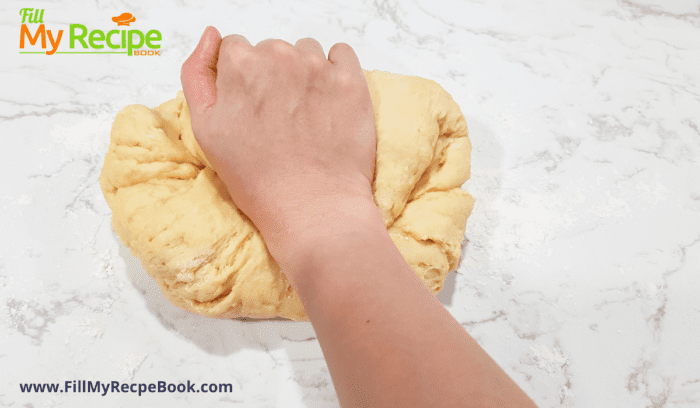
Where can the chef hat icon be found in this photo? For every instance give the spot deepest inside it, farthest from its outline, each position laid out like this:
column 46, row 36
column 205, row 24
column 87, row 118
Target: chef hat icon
column 124, row 19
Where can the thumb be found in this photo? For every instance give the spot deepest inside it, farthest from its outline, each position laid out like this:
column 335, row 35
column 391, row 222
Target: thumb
column 198, row 74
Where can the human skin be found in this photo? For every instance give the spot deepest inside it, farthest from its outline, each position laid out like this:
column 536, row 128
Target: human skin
column 291, row 134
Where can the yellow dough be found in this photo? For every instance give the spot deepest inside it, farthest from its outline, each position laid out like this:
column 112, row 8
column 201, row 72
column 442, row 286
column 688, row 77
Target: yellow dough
column 172, row 211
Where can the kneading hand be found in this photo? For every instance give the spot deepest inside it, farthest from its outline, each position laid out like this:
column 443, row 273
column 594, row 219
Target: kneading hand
column 289, row 131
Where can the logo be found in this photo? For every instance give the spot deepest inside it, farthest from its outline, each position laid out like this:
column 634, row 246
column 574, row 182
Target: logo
column 124, row 19
column 85, row 41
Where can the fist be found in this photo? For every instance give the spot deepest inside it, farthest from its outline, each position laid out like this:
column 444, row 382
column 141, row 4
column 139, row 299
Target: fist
column 288, row 130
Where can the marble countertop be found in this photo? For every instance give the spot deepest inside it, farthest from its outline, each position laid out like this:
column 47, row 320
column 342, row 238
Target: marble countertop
column 582, row 265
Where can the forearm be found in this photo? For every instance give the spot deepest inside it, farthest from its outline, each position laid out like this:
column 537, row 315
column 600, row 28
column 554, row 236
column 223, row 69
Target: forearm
column 385, row 337
column 291, row 135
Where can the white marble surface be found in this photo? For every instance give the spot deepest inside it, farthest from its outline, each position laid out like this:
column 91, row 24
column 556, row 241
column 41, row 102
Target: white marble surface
column 583, row 253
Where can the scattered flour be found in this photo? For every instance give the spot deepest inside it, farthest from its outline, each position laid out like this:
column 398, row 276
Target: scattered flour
column 89, row 136
column 547, row 360
column 130, row 363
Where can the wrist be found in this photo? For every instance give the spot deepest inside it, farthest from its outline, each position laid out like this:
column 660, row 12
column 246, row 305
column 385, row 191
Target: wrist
column 294, row 234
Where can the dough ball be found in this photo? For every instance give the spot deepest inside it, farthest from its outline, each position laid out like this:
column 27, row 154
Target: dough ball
column 175, row 215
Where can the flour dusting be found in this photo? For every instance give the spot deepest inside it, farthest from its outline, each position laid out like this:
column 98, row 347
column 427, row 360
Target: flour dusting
column 130, row 364
column 89, row 136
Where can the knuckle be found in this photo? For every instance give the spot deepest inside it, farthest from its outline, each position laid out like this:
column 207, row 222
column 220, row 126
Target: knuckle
column 236, row 57
column 233, row 49
column 345, row 79
column 315, row 62
column 276, row 46
column 342, row 47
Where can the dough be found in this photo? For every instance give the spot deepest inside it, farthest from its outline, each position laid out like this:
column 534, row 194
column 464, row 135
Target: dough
column 172, row 211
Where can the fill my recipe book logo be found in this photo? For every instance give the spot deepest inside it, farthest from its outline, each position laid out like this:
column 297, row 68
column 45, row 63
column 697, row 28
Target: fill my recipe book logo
column 81, row 40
